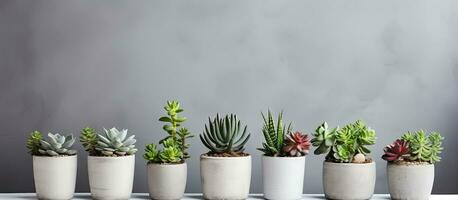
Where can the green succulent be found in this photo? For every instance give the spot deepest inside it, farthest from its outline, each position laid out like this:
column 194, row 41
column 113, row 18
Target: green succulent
column 33, row 143
column 170, row 154
column 88, row 139
column 436, row 146
column 173, row 127
column 225, row 136
column 424, row 148
column 341, row 145
column 115, row 143
column 323, row 139
column 342, row 153
column 151, row 153
column 175, row 146
column 274, row 135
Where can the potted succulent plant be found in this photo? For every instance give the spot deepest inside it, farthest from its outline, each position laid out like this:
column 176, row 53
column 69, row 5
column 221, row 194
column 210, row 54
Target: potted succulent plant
column 347, row 162
column 111, row 162
column 410, row 167
column 283, row 162
column 54, row 165
column 167, row 169
column 225, row 170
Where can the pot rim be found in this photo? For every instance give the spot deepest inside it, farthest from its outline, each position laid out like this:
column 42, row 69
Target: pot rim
column 166, row 164
column 285, row 157
column 203, row 156
column 410, row 165
column 55, row 157
column 111, row 157
column 349, row 164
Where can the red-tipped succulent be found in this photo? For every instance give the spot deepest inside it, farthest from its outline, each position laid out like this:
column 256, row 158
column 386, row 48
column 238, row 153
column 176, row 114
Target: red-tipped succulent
column 297, row 144
column 396, row 151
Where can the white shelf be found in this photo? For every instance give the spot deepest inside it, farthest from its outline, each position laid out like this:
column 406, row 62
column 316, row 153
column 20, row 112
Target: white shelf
column 138, row 196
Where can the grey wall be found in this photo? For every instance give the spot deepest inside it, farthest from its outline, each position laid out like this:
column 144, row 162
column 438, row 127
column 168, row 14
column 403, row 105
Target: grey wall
column 70, row 64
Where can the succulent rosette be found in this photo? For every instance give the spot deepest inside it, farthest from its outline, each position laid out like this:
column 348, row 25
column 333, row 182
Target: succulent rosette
column 297, row 144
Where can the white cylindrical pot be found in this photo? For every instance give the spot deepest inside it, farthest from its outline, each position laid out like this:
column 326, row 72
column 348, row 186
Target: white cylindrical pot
column 111, row 177
column 166, row 181
column 348, row 180
column 410, row 181
column 225, row 177
column 283, row 177
column 55, row 177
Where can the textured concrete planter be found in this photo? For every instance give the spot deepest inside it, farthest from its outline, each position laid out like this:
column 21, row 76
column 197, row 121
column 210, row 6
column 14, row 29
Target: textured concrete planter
column 348, row 180
column 225, row 177
column 283, row 177
column 410, row 182
column 54, row 177
column 111, row 177
column 166, row 181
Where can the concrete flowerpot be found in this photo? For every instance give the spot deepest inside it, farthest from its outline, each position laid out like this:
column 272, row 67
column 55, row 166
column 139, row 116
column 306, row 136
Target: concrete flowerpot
column 166, row 181
column 111, row 177
column 283, row 177
column 55, row 177
column 410, row 181
column 348, row 180
column 225, row 177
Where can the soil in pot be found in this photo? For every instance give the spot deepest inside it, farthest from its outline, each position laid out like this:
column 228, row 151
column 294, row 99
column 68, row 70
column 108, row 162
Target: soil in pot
column 166, row 181
column 410, row 180
column 338, row 177
column 225, row 177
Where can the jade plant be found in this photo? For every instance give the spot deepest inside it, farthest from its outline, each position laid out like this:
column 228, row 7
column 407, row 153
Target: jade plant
column 280, row 141
column 344, row 145
column 53, row 145
column 225, row 137
column 415, row 147
column 174, row 145
column 110, row 143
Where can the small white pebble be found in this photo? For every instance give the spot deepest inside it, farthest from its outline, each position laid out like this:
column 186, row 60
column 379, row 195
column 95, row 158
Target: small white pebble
column 359, row 158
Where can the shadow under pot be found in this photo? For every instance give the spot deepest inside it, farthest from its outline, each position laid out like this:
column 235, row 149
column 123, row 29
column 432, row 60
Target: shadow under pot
column 111, row 177
column 166, row 181
column 283, row 177
column 225, row 177
column 410, row 181
column 348, row 180
column 55, row 177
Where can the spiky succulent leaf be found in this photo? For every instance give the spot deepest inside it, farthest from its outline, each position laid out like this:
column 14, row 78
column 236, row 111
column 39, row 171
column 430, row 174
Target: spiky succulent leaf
column 224, row 135
column 274, row 135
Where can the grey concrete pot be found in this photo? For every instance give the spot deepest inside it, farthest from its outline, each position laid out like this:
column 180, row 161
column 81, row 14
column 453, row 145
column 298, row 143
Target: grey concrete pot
column 410, row 182
column 111, row 177
column 55, row 177
column 225, row 178
column 283, row 177
column 166, row 181
column 348, row 180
